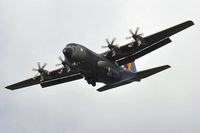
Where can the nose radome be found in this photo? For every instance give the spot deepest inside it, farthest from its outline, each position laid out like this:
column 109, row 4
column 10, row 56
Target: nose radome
column 67, row 52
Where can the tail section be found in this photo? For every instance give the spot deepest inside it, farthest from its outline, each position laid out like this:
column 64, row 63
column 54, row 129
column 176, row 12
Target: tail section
column 137, row 77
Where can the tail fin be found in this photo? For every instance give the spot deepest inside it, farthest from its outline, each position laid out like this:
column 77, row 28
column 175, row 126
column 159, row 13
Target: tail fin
column 131, row 67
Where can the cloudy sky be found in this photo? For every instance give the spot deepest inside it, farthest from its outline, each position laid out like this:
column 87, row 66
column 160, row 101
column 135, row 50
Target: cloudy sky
column 38, row 30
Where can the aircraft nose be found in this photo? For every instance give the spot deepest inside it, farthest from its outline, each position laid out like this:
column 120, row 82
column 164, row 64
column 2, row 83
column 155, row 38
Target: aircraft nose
column 67, row 52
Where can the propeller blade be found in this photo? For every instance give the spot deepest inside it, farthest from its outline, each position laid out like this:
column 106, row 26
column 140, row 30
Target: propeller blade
column 113, row 40
column 103, row 46
column 57, row 65
column 129, row 37
column 60, row 58
column 141, row 34
column 107, row 41
column 131, row 31
column 34, row 69
column 44, row 65
column 136, row 31
column 38, row 64
column 110, row 43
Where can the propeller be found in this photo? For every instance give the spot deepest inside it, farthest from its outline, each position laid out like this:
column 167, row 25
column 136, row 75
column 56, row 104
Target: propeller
column 111, row 46
column 136, row 36
column 40, row 70
column 64, row 63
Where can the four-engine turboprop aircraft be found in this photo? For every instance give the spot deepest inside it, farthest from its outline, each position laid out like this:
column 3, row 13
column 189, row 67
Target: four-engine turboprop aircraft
column 114, row 67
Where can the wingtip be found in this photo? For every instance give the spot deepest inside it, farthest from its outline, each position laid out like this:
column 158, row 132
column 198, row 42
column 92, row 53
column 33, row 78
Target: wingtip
column 8, row 87
column 168, row 66
column 99, row 90
column 190, row 22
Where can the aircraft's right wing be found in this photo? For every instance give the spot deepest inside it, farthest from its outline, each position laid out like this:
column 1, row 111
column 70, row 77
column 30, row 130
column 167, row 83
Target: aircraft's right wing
column 54, row 77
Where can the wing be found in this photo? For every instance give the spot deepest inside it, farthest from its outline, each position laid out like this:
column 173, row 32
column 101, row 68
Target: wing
column 167, row 33
column 25, row 83
column 151, row 43
column 51, row 79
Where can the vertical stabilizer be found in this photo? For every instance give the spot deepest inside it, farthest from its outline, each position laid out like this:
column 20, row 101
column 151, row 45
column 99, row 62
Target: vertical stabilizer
column 131, row 67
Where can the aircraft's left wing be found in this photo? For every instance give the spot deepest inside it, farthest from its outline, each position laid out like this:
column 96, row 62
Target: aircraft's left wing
column 129, row 52
column 53, row 78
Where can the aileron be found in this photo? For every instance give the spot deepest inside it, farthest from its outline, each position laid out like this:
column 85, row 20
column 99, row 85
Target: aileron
column 167, row 33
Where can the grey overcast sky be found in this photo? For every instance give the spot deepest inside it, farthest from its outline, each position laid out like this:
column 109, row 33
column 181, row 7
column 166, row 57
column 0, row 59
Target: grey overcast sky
column 38, row 30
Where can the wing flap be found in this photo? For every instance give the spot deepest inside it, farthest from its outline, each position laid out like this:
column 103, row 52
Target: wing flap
column 143, row 52
column 61, row 80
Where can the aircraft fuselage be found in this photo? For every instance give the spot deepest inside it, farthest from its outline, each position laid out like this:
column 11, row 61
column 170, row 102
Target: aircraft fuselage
column 94, row 67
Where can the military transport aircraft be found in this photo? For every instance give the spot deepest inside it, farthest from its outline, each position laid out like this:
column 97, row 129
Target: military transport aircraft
column 114, row 67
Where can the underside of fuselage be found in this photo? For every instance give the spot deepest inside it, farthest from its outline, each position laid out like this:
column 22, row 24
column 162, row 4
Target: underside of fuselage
column 94, row 67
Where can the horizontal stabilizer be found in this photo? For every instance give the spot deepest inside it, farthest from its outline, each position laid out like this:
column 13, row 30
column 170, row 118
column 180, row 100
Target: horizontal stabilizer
column 146, row 73
column 120, row 83
column 139, row 75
